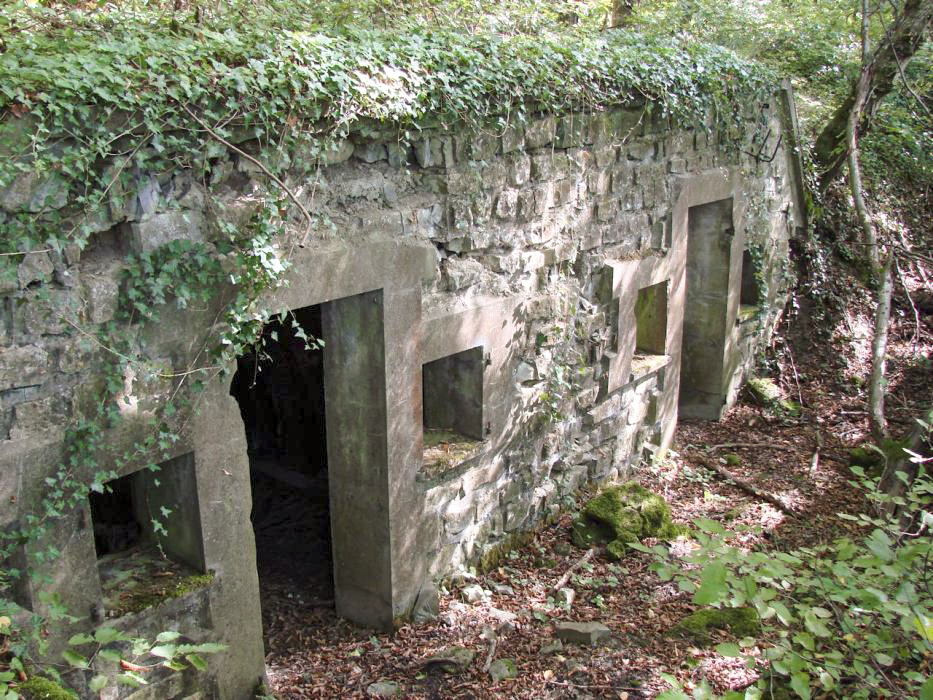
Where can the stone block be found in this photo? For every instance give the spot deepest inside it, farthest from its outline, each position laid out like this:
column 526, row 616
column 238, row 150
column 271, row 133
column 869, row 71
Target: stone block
column 580, row 159
column 610, row 408
column 622, row 177
column 626, row 123
column 34, row 419
column 163, row 228
column 46, row 314
column 101, row 294
column 370, row 152
column 22, row 365
column 541, row 132
column 507, row 205
column 35, row 267
column 587, row 633
column 434, row 152
column 338, row 152
column 519, row 169
column 460, row 273
column 494, row 175
column 563, row 192
column 464, row 180
column 34, row 193
column 605, row 156
column 571, row 130
column 512, row 138
column 598, row 183
column 640, row 150
column 398, row 154
column 483, row 146
column 677, row 165
column 380, row 222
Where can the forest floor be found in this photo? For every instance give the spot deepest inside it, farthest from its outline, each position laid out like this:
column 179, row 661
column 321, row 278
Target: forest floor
column 313, row 654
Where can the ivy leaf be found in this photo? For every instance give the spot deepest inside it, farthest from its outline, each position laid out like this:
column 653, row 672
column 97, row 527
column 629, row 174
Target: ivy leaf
column 196, row 661
column 800, row 683
column 884, row 659
column 164, row 651
column 712, row 584
column 98, row 683
column 74, row 658
column 728, row 649
column 106, row 635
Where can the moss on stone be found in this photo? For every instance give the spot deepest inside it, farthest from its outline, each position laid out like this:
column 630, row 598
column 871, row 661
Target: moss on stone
column 444, row 450
column 39, row 688
column 158, row 591
column 494, row 556
column 698, row 626
column 623, row 514
column 767, row 394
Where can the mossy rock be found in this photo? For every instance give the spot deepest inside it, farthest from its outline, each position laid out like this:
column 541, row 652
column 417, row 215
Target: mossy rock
column 698, row 626
column 767, row 394
column 39, row 688
column 623, row 514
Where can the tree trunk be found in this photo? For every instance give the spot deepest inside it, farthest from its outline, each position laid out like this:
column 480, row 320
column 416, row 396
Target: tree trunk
column 895, row 49
column 896, row 486
column 879, row 346
column 622, row 11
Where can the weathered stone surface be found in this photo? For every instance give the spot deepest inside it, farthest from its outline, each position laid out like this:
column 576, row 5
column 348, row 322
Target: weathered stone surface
column 566, row 596
column 474, row 593
column 541, row 132
column 383, row 689
column 163, row 228
column 370, row 152
column 34, row 419
column 22, row 365
column 35, row 267
column 501, row 669
column 426, row 605
column 34, row 194
column 582, row 632
column 450, row 660
column 338, row 152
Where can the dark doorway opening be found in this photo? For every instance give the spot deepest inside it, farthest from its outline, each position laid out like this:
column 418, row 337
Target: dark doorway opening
column 280, row 391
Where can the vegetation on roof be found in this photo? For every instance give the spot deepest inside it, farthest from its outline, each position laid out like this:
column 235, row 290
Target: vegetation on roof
column 124, row 87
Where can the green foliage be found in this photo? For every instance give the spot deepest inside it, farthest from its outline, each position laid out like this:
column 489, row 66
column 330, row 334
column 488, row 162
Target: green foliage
column 900, row 142
column 621, row 515
column 853, row 618
column 39, row 688
column 98, row 106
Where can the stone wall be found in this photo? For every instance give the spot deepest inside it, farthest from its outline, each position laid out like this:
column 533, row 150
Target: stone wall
column 527, row 246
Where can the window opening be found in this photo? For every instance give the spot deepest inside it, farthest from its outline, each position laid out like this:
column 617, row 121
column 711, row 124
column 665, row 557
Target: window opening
column 650, row 329
column 147, row 535
column 453, row 410
column 750, row 295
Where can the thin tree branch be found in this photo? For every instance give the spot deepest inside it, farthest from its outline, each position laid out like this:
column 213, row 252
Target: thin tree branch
column 291, row 195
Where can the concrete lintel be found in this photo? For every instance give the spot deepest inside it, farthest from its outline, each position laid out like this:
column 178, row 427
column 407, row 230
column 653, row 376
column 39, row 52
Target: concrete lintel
column 333, row 270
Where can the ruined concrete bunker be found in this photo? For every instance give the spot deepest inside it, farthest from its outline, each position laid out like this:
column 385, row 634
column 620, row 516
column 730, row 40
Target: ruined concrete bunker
column 507, row 315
